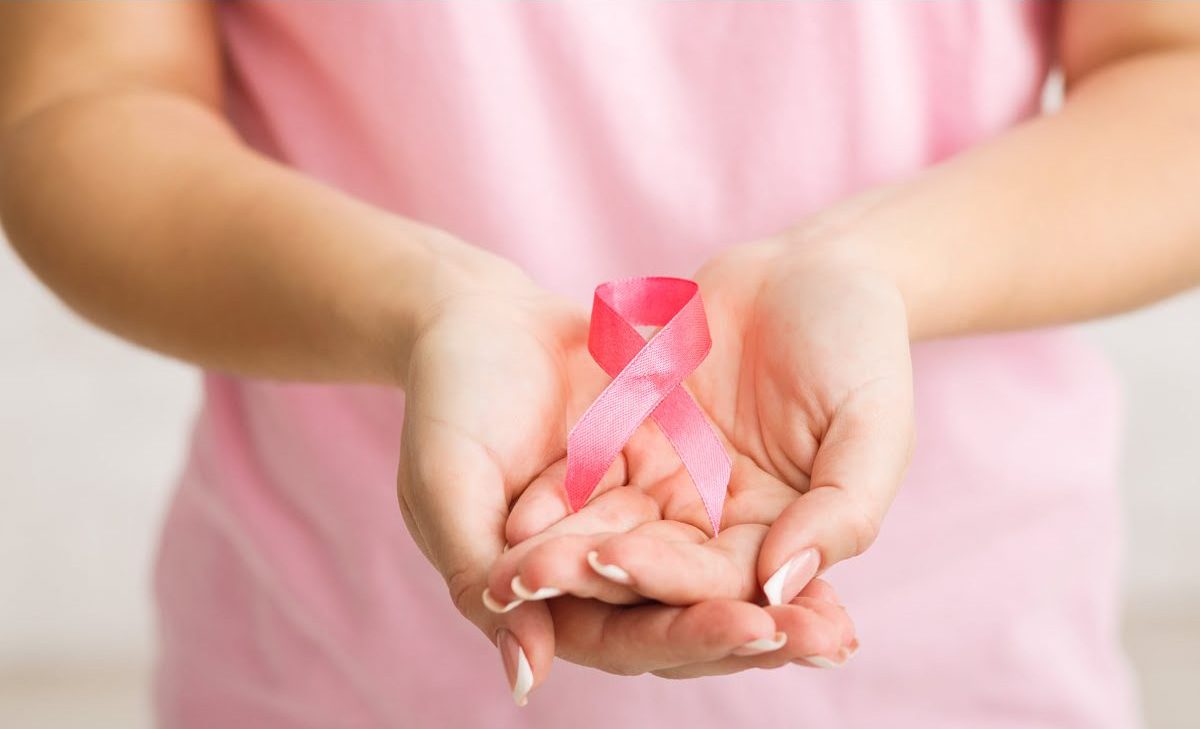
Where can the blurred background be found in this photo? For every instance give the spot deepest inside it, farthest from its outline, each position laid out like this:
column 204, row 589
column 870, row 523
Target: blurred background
column 92, row 433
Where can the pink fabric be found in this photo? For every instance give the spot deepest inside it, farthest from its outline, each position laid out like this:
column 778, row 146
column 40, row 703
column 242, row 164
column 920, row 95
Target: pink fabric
column 596, row 140
column 646, row 378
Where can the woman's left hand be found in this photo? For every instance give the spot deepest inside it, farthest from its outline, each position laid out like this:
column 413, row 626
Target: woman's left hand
column 809, row 384
column 810, row 379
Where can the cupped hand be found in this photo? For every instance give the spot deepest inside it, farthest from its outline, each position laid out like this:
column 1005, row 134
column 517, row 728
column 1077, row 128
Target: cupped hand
column 498, row 372
column 594, row 553
column 811, row 381
column 809, row 384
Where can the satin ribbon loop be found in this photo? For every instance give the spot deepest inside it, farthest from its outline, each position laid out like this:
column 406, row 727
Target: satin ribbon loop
column 646, row 383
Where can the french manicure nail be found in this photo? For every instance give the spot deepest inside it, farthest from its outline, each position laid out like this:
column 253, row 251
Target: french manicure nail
column 608, row 571
column 516, row 666
column 821, row 662
column 543, row 593
column 790, row 579
column 762, row 645
column 495, row 606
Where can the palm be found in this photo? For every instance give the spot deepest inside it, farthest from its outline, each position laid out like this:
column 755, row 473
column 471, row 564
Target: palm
column 494, row 382
column 498, row 378
column 800, row 356
column 806, row 362
column 488, row 394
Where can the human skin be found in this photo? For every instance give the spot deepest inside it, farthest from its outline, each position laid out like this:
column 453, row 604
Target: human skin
column 125, row 190
column 1084, row 213
column 110, row 132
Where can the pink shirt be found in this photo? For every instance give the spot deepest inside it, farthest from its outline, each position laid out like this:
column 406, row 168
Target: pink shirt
column 588, row 141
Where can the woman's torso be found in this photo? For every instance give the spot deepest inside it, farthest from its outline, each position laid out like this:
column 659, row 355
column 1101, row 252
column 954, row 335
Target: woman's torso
column 593, row 140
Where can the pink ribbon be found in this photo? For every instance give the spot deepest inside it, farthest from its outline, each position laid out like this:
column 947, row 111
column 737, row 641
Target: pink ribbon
column 646, row 383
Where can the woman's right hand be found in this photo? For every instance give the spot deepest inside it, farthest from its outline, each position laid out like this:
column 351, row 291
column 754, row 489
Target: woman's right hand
column 487, row 387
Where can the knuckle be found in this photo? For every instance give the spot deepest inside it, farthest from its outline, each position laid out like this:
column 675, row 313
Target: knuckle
column 863, row 525
column 622, row 669
column 465, row 592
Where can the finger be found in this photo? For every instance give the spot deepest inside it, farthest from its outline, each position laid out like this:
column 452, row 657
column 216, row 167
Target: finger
column 544, row 502
column 559, row 566
column 645, row 638
column 819, row 634
column 617, row 510
column 833, row 642
column 685, row 567
column 856, row 472
column 829, row 637
column 570, row 565
column 819, row 589
column 454, row 501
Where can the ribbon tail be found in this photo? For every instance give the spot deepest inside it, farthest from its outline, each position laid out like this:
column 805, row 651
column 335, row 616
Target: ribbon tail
column 699, row 448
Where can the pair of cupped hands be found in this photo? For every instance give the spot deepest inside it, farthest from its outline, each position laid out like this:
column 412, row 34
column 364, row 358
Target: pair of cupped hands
column 808, row 384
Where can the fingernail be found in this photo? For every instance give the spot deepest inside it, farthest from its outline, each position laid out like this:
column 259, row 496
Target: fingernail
column 762, row 645
column 516, row 666
column 848, row 652
column 523, row 592
column 821, row 662
column 492, row 604
column 608, row 571
column 790, row 579
column 844, row 655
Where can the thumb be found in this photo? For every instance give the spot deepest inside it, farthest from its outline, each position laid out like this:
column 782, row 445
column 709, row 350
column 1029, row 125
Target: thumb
column 855, row 475
column 454, row 503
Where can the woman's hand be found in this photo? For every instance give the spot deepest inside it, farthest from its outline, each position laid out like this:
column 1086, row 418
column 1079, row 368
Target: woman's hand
column 809, row 383
column 491, row 375
column 498, row 372
column 594, row 554
column 810, row 378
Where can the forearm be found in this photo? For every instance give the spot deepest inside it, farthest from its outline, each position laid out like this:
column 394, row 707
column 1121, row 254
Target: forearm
column 1088, row 212
column 144, row 212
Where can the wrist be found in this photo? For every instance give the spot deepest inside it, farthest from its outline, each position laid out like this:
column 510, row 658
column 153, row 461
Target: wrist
column 418, row 270
column 859, row 238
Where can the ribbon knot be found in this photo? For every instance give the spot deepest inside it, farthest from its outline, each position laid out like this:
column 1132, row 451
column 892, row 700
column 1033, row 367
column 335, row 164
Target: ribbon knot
column 646, row 383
